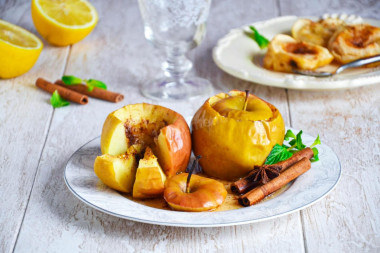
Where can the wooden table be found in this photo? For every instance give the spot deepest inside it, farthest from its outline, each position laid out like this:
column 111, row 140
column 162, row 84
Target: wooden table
column 39, row 214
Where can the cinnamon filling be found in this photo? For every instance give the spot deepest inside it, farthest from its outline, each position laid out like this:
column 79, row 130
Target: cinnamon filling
column 143, row 132
column 299, row 48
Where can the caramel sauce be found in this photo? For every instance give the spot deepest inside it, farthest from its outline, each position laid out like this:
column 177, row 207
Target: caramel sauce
column 299, row 48
column 361, row 37
column 230, row 203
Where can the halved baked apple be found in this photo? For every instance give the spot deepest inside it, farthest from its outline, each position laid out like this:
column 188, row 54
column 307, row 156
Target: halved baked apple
column 355, row 42
column 285, row 53
column 318, row 33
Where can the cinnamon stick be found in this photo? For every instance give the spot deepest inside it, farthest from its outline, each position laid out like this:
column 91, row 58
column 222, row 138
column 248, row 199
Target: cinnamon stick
column 247, row 183
column 259, row 193
column 96, row 92
column 63, row 92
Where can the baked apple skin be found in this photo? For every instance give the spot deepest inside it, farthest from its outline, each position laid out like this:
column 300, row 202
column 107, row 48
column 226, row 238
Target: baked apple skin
column 205, row 193
column 230, row 146
column 161, row 128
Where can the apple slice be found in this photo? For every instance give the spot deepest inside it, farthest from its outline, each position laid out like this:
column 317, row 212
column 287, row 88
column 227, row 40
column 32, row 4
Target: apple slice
column 118, row 172
column 150, row 179
column 205, row 193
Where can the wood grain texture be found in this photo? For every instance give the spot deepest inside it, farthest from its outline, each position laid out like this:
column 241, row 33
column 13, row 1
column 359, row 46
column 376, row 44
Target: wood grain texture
column 364, row 8
column 117, row 53
column 25, row 114
column 348, row 220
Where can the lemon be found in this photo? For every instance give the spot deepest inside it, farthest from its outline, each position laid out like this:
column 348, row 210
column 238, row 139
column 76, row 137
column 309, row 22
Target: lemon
column 19, row 50
column 63, row 22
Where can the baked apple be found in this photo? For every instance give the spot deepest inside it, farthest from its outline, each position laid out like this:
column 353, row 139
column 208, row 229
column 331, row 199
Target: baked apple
column 150, row 179
column 355, row 42
column 118, row 172
column 285, row 53
column 204, row 193
column 318, row 32
column 160, row 128
column 232, row 140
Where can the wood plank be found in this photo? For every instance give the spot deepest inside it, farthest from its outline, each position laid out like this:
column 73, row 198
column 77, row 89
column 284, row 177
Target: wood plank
column 117, row 53
column 366, row 9
column 24, row 122
column 348, row 219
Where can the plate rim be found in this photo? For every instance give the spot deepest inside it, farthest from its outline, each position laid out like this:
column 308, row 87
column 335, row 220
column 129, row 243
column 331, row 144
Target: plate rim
column 293, row 80
column 332, row 187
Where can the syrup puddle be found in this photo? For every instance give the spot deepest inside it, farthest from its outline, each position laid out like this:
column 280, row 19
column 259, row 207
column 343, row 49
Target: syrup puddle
column 230, row 203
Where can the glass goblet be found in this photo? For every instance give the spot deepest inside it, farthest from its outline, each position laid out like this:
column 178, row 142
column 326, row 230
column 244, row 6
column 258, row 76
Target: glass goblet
column 175, row 27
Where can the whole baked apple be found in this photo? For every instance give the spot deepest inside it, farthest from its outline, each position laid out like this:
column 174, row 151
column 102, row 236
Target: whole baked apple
column 233, row 136
column 158, row 127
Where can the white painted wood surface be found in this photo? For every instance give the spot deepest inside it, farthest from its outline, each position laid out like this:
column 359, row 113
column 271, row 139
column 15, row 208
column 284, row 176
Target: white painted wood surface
column 39, row 214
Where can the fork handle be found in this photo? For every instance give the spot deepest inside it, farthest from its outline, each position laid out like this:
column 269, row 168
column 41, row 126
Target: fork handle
column 358, row 63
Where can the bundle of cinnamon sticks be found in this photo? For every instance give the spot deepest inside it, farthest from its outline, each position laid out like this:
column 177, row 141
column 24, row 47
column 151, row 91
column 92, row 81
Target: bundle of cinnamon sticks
column 78, row 93
column 266, row 179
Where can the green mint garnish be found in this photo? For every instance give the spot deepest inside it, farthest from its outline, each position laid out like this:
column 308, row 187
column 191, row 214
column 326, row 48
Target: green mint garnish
column 282, row 152
column 260, row 39
column 71, row 80
column 57, row 101
column 278, row 154
column 90, row 83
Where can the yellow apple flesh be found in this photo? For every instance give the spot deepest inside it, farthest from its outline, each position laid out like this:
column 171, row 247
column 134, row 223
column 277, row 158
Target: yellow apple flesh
column 205, row 193
column 165, row 130
column 232, row 141
column 117, row 172
column 150, row 179
column 232, row 107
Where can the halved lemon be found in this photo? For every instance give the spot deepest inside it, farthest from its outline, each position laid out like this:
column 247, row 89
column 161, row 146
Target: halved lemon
column 19, row 50
column 63, row 22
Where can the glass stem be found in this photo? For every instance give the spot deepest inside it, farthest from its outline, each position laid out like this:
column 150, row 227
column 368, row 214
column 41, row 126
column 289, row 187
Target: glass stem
column 176, row 66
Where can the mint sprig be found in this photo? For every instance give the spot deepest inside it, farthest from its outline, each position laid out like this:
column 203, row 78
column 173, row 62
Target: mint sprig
column 282, row 152
column 57, row 101
column 260, row 39
column 90, row 83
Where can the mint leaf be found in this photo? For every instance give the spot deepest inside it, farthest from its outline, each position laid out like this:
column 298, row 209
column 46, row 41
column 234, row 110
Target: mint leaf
column 91, row 83
column 260, row 39
column 71, row 80
column 316, row 142
column 316, row 152
column 289, row 134
column 299, row 143
column 277, row 154
column 57, row 101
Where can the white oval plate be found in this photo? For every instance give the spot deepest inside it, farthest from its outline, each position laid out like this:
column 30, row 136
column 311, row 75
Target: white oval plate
column 307, row 189
column 240, row 56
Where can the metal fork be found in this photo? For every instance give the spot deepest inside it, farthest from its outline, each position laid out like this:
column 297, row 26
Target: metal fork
column 353, row 64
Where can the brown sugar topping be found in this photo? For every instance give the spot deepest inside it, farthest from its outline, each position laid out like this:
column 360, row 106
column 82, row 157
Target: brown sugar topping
column 299, row 48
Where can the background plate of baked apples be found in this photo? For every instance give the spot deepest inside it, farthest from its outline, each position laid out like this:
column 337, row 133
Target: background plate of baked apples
column 318, row 43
